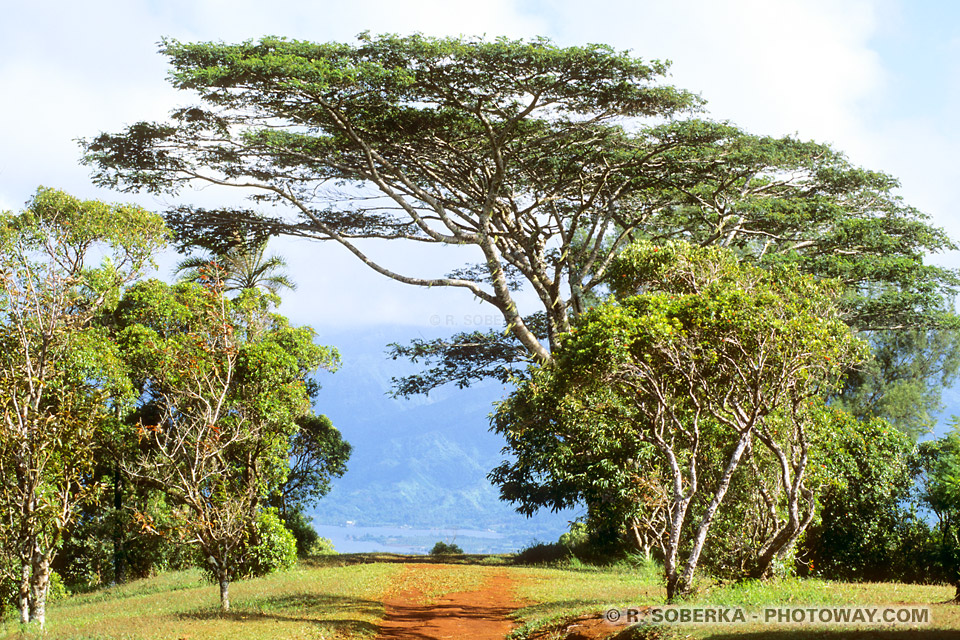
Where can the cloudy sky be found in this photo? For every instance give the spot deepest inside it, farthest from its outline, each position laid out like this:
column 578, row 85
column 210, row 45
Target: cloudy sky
column 880, row 79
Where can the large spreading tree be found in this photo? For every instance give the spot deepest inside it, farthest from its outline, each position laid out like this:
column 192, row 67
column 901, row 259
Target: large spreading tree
column 539, row 162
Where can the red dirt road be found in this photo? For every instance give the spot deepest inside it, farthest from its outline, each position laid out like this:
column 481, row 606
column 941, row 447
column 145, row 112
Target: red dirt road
column 480, row 614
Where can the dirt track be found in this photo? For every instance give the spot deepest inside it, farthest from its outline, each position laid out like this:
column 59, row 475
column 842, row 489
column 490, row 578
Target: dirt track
column 480, row 614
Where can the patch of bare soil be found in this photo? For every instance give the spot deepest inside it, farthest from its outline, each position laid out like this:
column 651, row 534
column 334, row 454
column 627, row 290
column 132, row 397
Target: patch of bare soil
column 590, row 627
column 480, row 614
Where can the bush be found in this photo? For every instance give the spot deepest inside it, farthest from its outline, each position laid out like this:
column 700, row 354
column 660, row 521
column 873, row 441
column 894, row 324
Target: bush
column 578, row 536
column 88, row 557
column 302, row 529
column 582, row 545
column 443, row 549
column 322, row 547
column 271, row 547
column 541, row 553
column 57, row 590
column 9, row 588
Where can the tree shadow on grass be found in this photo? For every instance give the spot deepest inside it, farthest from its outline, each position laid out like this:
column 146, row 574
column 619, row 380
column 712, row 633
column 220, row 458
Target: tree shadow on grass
column 334, row 613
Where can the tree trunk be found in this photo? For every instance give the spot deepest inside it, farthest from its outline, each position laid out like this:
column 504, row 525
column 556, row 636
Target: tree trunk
column 119, row 552
column 224, row 592
column 23, row 596
column 39, row 590
column 683, row 584
column 677, row 587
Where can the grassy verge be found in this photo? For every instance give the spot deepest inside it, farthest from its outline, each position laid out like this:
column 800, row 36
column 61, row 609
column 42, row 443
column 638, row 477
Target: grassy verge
column 562, row 594
column 315, row 601
column 342, row 597
column 572, row 589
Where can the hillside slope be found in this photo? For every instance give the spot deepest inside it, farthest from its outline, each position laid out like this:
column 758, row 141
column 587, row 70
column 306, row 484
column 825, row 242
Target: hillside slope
column 419, row 463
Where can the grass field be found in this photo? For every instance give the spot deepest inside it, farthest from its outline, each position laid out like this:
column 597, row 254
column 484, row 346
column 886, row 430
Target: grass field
column 342, row 597
column 562, row 593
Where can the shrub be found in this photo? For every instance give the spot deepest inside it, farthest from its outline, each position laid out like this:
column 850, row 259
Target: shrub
column 578, row 536
column 540, row 553
column 9, row 588
column 322, row 547
column 443, row 549
column 271, row 547
column 302, row 529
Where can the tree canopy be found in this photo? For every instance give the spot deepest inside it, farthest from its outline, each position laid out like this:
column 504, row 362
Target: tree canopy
column 224, row 388
column 543, row 161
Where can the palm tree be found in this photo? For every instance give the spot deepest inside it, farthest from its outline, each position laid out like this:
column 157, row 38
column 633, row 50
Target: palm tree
column 243, row 267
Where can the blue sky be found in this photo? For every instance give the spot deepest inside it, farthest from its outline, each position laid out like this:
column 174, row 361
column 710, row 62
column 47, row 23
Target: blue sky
column 880, row 79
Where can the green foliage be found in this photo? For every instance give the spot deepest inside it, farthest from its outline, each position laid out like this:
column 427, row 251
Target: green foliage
column 903, row 379
column 582, row 545
column 322, row 547
column 309, row 542
column 653, row 400
column 541, row 553
column 864, row 514
column 225, row 389
column 578, row 535
column 57, row 590
column 271, row 547
column 445, row 548
column 317, row 454
column 938, row 468
column 243, row 267
column 63, row 383
column 465, row 358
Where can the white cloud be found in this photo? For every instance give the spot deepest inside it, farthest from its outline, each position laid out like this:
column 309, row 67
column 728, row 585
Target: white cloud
column 773, row 67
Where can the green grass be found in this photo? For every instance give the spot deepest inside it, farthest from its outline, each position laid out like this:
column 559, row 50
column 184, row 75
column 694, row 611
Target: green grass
column 573, row 589
column 317, row 600
column 342, row 597
column 560, row 594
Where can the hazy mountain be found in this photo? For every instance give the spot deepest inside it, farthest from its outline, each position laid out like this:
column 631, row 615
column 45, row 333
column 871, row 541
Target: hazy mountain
column 419, row 463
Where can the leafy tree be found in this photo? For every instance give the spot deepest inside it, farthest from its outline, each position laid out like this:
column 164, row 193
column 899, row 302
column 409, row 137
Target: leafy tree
column 939, row 472
column 62, row 383
column 865, row 521
column 317, row 453
column 224, row 384
column 442, row 548
column 543, row 161
column 243, row 267
column 903, row 379
column 661, row 397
